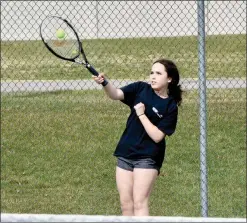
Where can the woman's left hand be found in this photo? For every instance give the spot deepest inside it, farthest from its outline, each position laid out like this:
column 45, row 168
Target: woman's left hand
column 140, row 109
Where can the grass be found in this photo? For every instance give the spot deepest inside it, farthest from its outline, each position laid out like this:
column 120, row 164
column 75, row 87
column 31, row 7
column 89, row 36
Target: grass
column 126, row 58
column 57, row 155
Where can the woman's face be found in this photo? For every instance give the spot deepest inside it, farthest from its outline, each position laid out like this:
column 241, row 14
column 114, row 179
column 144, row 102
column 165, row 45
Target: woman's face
column 158, row 77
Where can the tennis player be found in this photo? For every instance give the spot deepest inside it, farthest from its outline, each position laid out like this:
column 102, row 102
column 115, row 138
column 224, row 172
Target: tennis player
column 141, row 149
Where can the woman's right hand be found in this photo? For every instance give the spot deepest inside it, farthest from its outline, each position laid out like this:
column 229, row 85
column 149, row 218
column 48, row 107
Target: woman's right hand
column 99, row 79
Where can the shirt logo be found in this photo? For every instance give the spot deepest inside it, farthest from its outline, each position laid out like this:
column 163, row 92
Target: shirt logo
column 156, row 112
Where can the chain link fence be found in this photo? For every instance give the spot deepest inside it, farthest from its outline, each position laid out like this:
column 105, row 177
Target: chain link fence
column 122, row 39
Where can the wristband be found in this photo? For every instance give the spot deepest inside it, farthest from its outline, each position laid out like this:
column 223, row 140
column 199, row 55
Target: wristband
column 141, row 115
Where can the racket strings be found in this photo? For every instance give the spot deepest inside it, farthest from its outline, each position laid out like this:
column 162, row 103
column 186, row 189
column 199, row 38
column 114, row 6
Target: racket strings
column 66, row 46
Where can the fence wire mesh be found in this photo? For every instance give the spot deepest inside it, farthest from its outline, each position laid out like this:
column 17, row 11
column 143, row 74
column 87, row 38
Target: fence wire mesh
column 57, row 126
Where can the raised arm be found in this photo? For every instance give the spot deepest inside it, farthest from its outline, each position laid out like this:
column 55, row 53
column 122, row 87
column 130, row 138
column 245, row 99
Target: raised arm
column 111, row 91
column 154, row 133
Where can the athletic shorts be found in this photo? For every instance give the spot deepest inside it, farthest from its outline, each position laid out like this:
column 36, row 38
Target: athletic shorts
column 130, row 164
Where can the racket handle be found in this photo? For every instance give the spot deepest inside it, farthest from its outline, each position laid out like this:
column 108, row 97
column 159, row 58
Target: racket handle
column 95, row 73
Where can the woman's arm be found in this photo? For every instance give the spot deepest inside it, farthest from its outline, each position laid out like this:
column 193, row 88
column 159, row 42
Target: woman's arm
column 154, row 133
column 111, row 91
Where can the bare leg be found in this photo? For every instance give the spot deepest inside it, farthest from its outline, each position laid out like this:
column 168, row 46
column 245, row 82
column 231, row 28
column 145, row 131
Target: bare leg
column 143, row 183
column 124, row 179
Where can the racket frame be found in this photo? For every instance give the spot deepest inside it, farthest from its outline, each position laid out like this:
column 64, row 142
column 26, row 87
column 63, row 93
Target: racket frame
column 86, row 63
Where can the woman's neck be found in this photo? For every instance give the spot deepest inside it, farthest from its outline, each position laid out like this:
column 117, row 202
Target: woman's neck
column 162, row 93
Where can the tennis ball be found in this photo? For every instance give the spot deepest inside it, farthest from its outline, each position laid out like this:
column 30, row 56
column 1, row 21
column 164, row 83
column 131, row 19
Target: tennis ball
column 60, row 34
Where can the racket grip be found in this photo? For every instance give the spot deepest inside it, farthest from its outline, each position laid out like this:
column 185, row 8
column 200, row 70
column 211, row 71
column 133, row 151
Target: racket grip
column 95, row 73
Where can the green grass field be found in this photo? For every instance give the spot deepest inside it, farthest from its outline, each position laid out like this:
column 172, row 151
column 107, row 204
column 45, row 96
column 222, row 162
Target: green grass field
column 56, row 152
column 126, row 58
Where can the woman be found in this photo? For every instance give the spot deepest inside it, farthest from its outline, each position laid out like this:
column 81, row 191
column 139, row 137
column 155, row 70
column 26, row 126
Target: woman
column 141, row 149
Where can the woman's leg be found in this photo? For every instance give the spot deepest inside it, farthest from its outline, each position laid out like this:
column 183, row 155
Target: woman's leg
column 143, row 183
column 124, row 179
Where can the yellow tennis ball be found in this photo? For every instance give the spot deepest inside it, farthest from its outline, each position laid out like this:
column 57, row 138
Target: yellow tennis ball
column 60, row 34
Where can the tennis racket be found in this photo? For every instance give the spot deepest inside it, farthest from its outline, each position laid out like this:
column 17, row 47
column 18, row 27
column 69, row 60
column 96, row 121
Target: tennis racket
column 62, row 40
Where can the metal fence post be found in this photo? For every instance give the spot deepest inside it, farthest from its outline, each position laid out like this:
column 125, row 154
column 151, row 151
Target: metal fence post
column 202, row 114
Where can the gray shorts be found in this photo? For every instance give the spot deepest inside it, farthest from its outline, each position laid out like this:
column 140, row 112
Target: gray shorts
column 130, row 164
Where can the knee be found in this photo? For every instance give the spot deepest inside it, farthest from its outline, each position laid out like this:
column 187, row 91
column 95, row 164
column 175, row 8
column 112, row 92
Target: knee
column 140, row 204
column 127, row 204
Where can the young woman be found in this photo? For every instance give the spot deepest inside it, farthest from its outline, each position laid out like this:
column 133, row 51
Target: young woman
column 141, row 149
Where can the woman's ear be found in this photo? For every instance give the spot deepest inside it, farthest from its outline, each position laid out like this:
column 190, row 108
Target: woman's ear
column 169, row 80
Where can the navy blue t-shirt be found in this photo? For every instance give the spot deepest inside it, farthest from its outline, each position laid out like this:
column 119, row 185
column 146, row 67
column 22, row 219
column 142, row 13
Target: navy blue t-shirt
column 135, row 143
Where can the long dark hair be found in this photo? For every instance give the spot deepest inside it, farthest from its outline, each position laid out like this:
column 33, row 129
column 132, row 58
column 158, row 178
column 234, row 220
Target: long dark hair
column 174, row 88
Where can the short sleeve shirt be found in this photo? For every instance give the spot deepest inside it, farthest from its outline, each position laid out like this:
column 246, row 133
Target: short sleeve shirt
column 135, row 143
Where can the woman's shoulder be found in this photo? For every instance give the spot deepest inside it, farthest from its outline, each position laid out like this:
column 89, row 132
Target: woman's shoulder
column 141, row 85
column 172, row 104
